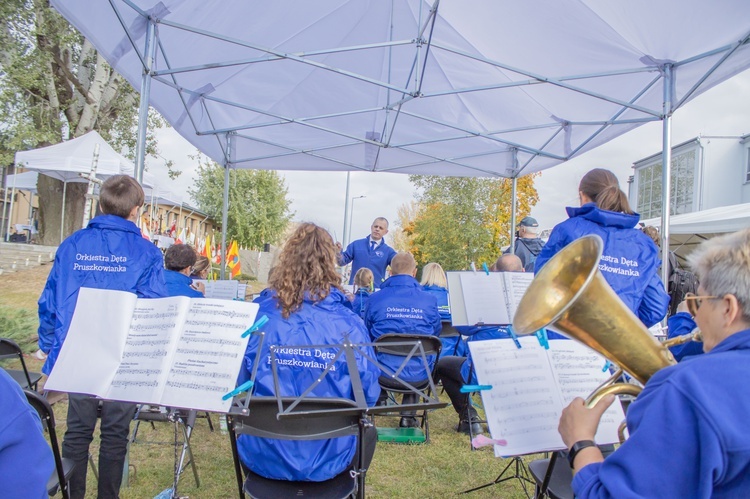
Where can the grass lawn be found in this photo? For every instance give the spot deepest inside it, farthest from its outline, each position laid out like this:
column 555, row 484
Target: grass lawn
column 443, row 468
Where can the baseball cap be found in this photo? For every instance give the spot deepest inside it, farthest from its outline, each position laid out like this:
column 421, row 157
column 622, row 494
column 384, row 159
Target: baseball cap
column 528, row 222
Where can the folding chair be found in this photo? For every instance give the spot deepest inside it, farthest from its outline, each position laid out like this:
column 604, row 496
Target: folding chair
column 403, row 345
column 27, row 380
column 553, row 477
column 289, row 418
column 63, row 466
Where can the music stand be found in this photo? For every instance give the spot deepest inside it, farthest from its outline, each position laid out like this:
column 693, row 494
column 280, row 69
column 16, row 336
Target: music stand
column 518, row 471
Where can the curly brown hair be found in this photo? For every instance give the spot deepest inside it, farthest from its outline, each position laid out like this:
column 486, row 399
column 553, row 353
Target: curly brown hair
column 307, row 264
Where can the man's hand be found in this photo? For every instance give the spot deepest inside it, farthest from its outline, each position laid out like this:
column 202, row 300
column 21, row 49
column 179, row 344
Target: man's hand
column 580, row 423
column 199, row 286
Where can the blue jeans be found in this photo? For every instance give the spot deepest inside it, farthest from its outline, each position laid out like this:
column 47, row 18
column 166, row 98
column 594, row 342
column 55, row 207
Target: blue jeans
column 83, row 411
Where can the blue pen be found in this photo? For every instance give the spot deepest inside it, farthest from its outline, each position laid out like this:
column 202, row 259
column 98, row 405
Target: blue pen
column 258, row 324
column 486, row 268
column 541, row 335
column 240, row 389
column 514, row 337
column 475, row 388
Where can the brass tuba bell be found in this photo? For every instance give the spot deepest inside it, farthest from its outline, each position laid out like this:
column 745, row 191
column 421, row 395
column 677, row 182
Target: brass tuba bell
column 570, row 295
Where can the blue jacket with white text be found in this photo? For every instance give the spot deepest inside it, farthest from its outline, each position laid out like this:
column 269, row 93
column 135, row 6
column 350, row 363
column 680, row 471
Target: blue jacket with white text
column 359, row 253
column 630, row 259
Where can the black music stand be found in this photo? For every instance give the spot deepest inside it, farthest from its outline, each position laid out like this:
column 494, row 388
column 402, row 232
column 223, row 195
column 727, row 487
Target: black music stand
column 515, row 470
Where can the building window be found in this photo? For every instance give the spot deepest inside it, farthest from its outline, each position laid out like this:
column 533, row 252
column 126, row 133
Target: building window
column 684, row 173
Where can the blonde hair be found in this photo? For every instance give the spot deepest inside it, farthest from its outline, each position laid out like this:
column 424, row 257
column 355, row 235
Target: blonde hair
column 307, row 266
column 434, row 275
column 364, row 278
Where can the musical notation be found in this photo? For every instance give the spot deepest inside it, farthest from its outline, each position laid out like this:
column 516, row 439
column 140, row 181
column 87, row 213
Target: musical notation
column 147, row 354
column 519, row 390
column 139, row 316
column 196, row 386
column 125, row 383
column 152, row 327
column 188, row 372
column 231, row 314
column 528, row 417
column 147, row 372
column 212, row 341
column 143, row 343
column 209, row 353
column 212, row 324
column 514, row 368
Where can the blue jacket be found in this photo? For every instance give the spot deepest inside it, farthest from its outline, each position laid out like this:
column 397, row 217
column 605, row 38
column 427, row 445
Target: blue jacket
column 179, row 285
column 402, row 306
column 360, row 302
column 26, row 460
column 630, row 259
column 679, row 324
column 108, row 254
column 358, row 252
column 327, row 322
column 688, row 432
column 444, row 307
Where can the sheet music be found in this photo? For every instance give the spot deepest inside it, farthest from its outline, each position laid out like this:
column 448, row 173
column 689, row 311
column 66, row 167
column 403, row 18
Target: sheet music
column 526, row 400
column 516, row 284
column 225, row 289
column 209, row 355
column 484, row 298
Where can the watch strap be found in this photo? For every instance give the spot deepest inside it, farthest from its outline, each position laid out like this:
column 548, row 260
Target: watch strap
column 578, row 447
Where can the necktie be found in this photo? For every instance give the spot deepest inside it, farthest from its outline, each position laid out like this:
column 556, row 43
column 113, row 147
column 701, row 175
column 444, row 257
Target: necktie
column 372, row 245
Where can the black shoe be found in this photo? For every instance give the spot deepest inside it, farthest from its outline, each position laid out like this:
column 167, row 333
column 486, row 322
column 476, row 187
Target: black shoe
column 463, row 427
column 408, row 422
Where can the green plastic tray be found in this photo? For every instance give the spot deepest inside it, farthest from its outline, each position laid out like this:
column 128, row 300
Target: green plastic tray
column 401, row 435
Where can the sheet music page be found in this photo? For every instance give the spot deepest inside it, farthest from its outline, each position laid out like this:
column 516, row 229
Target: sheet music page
column 154, row 329
column 484, row 298
column 209, row 354
column 225, row 289
column 456, row 299
column 578, row 371
column 524, row 405
column 95, row 339
column 516, row 284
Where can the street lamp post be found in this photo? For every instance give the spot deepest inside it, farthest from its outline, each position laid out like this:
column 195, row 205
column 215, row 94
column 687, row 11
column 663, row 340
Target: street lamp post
column 351, row 216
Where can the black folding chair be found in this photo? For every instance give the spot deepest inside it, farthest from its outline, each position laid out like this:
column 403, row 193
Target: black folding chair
column 290, row 418
column 410, row 347
column 553, row 477
column 27, row 380
column 63, row 466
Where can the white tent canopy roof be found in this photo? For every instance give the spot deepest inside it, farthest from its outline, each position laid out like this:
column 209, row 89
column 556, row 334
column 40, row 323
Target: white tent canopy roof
column 714, row 221
column 488, row 87
column 25, row 181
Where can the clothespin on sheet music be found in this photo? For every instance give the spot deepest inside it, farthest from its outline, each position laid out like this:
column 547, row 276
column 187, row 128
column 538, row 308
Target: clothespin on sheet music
column 247, row 385
column 475, row 388
column 486, row 269
column 607, row 365
column 541, row 335
column 258, row 324
column 514, row 337
column 473, row 267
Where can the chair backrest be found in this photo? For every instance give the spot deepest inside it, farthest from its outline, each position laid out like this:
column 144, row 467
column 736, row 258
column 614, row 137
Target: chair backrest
column 47, row 415
column 402, row 344
column 9, row 348
column 309, row 419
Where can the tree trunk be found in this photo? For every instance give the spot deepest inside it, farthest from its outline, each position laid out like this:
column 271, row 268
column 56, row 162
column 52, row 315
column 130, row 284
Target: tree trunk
column 50, row 192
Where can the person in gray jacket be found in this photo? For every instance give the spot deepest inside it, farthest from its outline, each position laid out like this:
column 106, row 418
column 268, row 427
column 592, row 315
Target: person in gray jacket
column 528, row 244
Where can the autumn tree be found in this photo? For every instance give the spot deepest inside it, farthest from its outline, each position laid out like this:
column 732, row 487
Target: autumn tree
column 54, row 86
column 258, row 211
column 462, row 220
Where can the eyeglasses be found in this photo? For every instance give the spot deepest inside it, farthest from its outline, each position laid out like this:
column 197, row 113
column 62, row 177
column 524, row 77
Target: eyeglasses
column 694, row 302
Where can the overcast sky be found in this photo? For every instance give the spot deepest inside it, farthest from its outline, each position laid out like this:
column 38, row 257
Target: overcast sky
column 319, row 196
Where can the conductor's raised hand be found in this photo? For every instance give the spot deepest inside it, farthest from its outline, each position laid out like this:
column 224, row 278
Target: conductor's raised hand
column 579, row 422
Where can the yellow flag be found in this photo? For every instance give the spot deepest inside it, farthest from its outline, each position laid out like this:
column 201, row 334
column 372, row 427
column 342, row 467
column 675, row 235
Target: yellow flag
column 233, row 260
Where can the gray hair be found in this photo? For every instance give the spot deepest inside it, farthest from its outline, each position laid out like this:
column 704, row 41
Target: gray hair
column 722, row 265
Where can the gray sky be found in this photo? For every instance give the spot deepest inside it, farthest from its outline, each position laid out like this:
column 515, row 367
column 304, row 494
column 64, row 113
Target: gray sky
column 319, row 196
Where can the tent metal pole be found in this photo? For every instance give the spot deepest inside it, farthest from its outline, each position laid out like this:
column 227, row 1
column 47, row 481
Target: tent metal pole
column 62, row 214
column 666, row 172
column 513, row 193
column 5, row 199
column 225, row 205
column 346, row 236
column 10, row 213
column 140, row 146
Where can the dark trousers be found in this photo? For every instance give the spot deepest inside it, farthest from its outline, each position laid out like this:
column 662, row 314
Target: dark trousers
column 407, row 398
column 115, row 428
column 449, row 372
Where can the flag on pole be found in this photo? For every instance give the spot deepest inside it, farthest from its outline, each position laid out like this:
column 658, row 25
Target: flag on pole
column 208, row 253
column 233, row 260
column 181, row 238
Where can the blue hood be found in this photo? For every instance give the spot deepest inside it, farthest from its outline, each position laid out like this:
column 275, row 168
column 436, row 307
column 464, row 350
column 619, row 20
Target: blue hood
column 591, row 212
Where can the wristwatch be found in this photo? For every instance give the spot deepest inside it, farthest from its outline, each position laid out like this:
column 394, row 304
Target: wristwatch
column 578, row 447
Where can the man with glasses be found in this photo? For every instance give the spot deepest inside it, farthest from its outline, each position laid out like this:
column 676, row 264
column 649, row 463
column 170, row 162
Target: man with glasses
column 371, row 252
column 689, row 427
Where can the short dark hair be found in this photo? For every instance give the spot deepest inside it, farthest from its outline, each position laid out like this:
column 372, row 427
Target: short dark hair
column 119, row 194
column 179, row 256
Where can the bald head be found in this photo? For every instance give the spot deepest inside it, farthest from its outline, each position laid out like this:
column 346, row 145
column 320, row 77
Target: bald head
column 508, row 263
column 403, row 263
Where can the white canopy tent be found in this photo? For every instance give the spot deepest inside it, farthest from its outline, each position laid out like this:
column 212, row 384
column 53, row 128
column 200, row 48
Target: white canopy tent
column 25, row 181
column 486, row 88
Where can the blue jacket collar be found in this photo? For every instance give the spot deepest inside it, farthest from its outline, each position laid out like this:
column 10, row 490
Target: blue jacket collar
column 178, row 277
column 593, row 213
column 737, row 341
column 334, row 297
column 113, row 222
column 402, row 280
